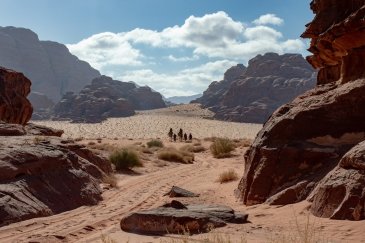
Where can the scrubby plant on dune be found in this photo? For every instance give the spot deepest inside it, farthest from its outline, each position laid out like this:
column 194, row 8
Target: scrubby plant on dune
column 222, row 148
column 193, row 149
column 174, row 155
column 125, row 159
column 227, row 176
column 155, row 143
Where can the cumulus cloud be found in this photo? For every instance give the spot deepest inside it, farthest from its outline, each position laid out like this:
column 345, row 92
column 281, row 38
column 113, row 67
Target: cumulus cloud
column 268, row 19
column 214, row 38
column 105, row 49
column 185, row 82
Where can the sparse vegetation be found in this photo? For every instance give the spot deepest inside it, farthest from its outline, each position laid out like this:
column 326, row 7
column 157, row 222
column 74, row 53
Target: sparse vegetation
column 193, row 149
column 155, row 143
column 222, row 148
column 227, row 176
column 174, row 155
column 91, row 143
column 125, row 159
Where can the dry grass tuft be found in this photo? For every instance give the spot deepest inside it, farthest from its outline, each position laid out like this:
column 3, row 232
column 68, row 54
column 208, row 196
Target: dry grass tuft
column 155, row 143
column 39, row 139
column 174, row 155
column 222, row 148
column 193, row 149
column 125, row 159
column 107, row 239
column 227, row 176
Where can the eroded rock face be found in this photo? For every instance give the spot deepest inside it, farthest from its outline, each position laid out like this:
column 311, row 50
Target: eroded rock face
column 14, row 89
column 42, row 106
column 252, row 94
column 104, row 98
column 42, row 175
column 51, row 67
column 341, row 194
column 300, row 150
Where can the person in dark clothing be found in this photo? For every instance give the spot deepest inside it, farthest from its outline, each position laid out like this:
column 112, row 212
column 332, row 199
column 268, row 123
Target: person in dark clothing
column 180, row 134
column 185, row 137
column 171, row 133
column 174, row 137
column 190, row 137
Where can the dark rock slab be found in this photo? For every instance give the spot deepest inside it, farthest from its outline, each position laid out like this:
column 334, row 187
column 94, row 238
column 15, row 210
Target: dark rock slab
column 180, row 192
column 191, row 219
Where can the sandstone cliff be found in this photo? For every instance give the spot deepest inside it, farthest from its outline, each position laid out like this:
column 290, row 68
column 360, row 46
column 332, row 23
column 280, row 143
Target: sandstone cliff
column 300, row 152
column 51, row 67
column 252, row 94
column 104, row 98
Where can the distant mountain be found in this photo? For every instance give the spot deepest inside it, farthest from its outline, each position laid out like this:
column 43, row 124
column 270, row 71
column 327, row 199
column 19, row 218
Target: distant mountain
column 105, row 98
column 50, row 66
column 252, row 94
column 183, row 99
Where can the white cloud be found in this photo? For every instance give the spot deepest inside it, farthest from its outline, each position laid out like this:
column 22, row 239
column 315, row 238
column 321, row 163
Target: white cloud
column 182, row 59
column 268, row 19
column 208, row 38
column 184, row 82
column 105, row 49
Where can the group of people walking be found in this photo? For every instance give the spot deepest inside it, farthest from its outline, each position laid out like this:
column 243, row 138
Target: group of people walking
column 181, row 135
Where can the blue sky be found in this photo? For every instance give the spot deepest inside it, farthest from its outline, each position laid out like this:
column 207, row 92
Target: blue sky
column 175, row 46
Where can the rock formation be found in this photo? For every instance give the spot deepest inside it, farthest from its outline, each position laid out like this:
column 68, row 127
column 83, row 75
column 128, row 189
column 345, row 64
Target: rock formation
column 40, row 173
column 14, row 106
column 177, row 218
column 300, row 152
column 252, row 94
column 43, row 106
column 104, row 98
column 51, row 67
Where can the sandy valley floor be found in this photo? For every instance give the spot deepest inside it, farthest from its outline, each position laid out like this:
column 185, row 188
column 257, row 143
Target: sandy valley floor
column 145, row 189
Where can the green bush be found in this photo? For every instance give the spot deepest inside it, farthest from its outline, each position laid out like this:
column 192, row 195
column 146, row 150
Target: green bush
column 222, row 147
column 155, row 143
column 125, row 159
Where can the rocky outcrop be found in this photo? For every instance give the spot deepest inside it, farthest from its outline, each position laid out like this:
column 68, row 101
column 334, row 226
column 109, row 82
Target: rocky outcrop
column 176, row 218
column 341, row 194
column 104, row 98
column 51, row 67
column 300, row 152
column 42, row 106
column 42, row 176
column 14, row 89
column 216, row 90
column 180, row 192
column 40, row 173
column 252, row 94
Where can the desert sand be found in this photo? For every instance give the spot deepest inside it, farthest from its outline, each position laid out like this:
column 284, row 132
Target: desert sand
column 145, row 189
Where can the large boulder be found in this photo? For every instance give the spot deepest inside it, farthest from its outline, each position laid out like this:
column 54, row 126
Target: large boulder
column 252, row 94
column 177, row 218
column 14, row 89
column 105, row 98
column 298, row 152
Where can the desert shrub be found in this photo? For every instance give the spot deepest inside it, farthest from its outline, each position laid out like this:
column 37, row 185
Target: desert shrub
column 125, row 159
column 227, row 176
column 91, row 143
column 39, row 139
column 174, row 155
column 155, row 143
column 222, row 147
column 193, row 149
